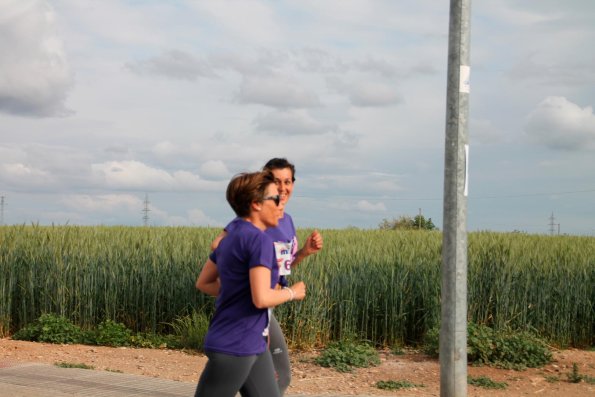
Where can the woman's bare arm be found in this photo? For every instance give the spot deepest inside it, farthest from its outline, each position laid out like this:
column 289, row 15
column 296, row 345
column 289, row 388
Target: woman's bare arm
column 263, row 296
column 208, row 279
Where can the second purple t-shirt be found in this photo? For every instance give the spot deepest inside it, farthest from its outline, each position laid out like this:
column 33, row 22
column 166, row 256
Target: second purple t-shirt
column 237, row 326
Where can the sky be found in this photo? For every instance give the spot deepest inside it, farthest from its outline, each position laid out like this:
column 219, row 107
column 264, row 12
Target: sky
column 111, row 107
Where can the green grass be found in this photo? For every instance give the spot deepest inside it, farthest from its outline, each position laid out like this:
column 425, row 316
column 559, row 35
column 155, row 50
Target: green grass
column 381, row 286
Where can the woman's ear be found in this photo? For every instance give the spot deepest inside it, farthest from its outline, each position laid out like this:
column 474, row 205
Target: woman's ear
column 256, row 206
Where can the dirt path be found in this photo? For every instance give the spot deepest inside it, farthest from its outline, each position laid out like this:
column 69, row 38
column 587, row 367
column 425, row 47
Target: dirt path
column 309, row 378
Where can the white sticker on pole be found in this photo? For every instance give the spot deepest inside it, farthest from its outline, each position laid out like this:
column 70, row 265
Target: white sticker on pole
column 466, row 170
column 464, row 75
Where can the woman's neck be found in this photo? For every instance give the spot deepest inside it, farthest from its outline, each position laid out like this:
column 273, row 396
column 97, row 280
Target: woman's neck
column 256, row 222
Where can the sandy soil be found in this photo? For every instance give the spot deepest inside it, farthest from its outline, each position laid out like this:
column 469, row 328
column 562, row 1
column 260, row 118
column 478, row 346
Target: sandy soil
column 310, row 379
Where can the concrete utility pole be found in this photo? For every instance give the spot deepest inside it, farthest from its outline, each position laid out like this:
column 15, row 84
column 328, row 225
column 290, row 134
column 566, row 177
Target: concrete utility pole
column 453, row 327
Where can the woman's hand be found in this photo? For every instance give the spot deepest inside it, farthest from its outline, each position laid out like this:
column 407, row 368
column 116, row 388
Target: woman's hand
column 313, row 243
column 299, row 290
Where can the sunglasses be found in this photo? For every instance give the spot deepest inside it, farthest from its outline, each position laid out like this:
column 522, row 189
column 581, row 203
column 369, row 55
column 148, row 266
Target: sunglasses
column 276, row 198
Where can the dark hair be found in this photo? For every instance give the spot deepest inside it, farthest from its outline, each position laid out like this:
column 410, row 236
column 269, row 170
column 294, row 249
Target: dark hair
column 246, row 188
column 279, row 164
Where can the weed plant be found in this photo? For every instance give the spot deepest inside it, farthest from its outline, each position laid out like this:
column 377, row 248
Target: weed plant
column 576, row 377
column 502, row 349
column 486, row 383
column 191, row 330
column 111, row 333
column 51, row 328
column 73, row 365
column 347, row 355
column 396, row 384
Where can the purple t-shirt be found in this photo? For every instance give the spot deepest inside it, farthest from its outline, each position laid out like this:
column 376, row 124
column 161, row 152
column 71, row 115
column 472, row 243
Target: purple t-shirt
column 285, row 243
column 237, row 326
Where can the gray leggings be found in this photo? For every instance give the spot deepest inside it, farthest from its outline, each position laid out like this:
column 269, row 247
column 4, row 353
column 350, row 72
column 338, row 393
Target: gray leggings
column 280, row 353
column 225, row 374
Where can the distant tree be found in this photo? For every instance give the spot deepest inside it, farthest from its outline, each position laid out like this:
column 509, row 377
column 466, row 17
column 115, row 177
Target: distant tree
column 407, row 223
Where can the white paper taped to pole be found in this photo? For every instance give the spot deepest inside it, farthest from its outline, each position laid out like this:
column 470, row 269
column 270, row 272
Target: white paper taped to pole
column 464, row 75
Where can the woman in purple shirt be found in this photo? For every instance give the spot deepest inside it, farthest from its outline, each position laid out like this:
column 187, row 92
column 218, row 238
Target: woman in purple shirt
column 287, row 255
column 242, row 272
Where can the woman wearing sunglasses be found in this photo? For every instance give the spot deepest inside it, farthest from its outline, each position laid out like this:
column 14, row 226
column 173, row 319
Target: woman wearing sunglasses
column 242, row 272
column 288, row 256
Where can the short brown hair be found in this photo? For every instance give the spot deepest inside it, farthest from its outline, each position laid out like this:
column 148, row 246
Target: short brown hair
column 246, row 188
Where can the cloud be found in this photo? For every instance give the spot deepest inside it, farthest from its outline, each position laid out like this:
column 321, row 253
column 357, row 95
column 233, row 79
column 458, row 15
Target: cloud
column 276, row 92
column 175, row 64
column 367, row 93
column 379, row 66
column 291, row 123
column 345, row 139
column 373, row 94
column 366, row 206
column 241, row 21
column 122, row 205
column 485, row 132
column 372, row 183
column 561, row 125
column 214, row 169
column 134, row 175
column 116, row 150
column 165, row 149
column 36, row 76
column 24, row 176
column 316, row 60
column 551, row 73
column 199, row 218
column 103, row 203
column 359, row 206
column 193, row 217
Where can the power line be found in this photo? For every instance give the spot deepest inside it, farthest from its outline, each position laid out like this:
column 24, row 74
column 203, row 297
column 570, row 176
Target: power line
column 552, row 224
column 470, row 197
column 146, row 210
column 1, row 210
column 534, row 194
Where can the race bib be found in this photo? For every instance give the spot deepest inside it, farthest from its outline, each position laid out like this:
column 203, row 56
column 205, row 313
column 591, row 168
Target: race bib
column 284, row 255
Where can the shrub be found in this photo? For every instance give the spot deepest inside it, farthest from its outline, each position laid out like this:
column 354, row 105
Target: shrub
column 344, row 356
column 503, row 349
column 51, row 328
column 519, row 350
column 111, row 333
